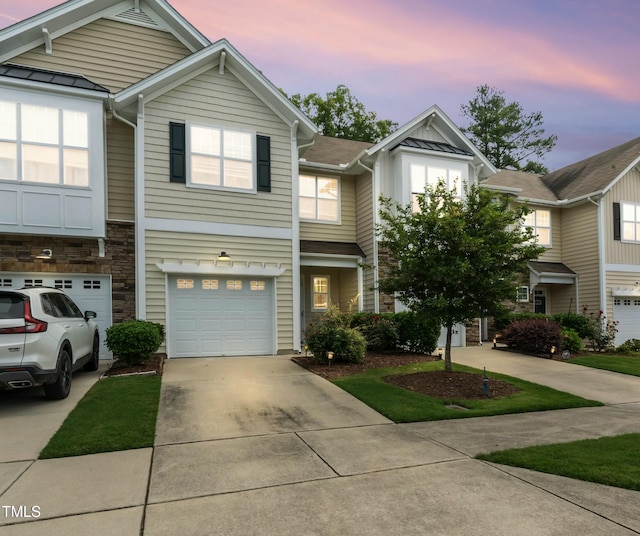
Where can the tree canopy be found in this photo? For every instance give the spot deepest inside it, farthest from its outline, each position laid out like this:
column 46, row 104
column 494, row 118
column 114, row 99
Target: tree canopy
column 341, row 115
column 453, row 259
column 504, row 133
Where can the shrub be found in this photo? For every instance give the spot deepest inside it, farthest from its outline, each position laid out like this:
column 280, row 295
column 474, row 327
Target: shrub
column 603, row 331
column 631, row 346
column 135, row 341
column 331, row 333
column 578, row 323
column 571, row 340
column 380, row 332
column 503, row 320
column 417, row 332
column 534, row 335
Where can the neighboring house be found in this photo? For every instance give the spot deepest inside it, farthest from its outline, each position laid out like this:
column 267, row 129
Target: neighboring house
column 587, row 215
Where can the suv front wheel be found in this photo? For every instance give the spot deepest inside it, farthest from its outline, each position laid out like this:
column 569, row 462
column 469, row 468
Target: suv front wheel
column 60, row 388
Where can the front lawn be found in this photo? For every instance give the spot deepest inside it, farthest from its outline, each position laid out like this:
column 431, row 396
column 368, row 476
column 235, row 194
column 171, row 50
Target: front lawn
column 614, row 363
column 116, row 414
column 613, row 461
column 403, row 405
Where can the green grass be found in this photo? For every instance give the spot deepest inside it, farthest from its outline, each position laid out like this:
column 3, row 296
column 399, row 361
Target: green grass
column 402, row 405
column 614, row 363
column 613, row 461
column 116, row 414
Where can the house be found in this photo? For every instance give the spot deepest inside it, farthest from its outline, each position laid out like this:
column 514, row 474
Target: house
column 587, row 216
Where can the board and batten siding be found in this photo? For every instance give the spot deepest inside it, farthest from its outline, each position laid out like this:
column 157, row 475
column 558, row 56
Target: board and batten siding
column 553, row 253
column 219, row 101
column 161, row 246
column 120, row 171
column 365, row 235
column 626, row 189
column 345, row 231
column 110, row 53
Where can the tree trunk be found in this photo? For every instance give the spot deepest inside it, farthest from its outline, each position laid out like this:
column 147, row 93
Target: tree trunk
column 447, row 349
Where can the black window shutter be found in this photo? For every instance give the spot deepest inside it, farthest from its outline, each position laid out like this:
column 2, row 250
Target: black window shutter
column 177, row 153
column 263, row 144
column 616, row 221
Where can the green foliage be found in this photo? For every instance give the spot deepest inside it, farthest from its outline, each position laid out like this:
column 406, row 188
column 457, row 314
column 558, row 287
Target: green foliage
column 602, row 331
column 342, row 115
column 331, row 333
column 571, row 340
column 417, row 333
column 574, row 321
column 135, row 341
column 380, row 333
column 455, row 260
column 631, row 346
column 534, row 336
column 504, row 133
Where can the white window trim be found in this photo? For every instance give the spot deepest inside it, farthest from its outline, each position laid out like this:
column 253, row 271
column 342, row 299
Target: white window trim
column 339, row 200
column 222, row 129
column 450, row 162
column 313, row 293
column 518, row 293
column 535, row 227
column 622, row 222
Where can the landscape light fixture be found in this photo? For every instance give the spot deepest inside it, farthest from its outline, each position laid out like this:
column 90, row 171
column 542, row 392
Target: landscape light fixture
column 440, row 352
column 224, row 256
column 330, row 357
column 45, row 254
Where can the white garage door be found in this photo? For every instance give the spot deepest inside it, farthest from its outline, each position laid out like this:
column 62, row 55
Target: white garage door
column 220, row 316
column 91, row 292
column 626, row 311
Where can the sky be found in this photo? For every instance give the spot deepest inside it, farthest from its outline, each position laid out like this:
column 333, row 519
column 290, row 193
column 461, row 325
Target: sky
column 576, row 61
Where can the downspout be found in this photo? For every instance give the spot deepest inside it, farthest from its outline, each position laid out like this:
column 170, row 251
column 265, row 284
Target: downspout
column 376, row 292
column 295, row 240
column 601, row 253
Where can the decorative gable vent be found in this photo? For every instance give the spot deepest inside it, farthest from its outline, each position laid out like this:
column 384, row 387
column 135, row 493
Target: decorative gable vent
column 137, row 17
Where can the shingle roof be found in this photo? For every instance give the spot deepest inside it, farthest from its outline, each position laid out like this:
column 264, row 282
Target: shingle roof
column 441, row 147
column 35, row 74
column 594, row 173
column 551, row 268
column 335, row 151
column 331, row 248
column 530, row 184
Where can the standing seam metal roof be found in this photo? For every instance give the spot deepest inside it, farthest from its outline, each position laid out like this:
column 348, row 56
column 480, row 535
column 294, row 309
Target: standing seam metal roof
column 45, row 76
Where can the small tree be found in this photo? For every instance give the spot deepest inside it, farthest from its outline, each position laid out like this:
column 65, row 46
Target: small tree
column 455, row 260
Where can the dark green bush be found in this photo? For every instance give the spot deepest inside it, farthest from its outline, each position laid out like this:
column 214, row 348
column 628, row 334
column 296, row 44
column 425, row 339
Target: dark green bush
column 331, row 333
column 503, row 320
column 579, row 323
column 380, row 332
column 417, row 332
column 533, row 335
column 135, row 341
column 571, row 340
column 631, row 346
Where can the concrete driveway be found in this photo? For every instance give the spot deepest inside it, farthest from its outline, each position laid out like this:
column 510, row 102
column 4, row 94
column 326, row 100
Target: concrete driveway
column 259, row 446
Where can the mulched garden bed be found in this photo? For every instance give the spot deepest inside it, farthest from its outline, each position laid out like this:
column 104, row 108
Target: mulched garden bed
column 154, row 366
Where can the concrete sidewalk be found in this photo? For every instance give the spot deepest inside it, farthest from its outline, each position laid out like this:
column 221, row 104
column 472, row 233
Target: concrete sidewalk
column 260, row 446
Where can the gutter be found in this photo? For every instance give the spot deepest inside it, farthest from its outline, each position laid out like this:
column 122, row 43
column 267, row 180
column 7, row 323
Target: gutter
column 374, row 190
column 602, row 279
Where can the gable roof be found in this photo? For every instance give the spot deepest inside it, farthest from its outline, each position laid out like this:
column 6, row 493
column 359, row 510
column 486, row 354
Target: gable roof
column 223, row 55
column 595, row 174
column 333, row 151
column 525, row 185
column 59, row 20
column 438, row 146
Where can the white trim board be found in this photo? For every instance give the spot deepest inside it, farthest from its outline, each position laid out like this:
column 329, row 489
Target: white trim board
column 222, row 229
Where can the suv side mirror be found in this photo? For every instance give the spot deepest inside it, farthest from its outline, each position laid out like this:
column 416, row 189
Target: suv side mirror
column 89, row 314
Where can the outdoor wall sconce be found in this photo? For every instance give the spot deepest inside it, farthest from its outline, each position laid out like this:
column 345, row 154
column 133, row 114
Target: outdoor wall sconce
column 224, row 256
column 45, row 254
column 330, row 357
column 440, row 352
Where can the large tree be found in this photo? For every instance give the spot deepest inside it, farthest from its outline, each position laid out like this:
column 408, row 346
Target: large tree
column 508, row 137
column 342, row 115
column 455, row 260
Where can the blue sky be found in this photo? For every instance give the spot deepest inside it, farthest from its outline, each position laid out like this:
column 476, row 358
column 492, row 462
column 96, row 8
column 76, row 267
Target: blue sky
column 573, row 60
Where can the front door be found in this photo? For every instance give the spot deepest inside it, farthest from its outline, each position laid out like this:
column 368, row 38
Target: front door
column 540, row 301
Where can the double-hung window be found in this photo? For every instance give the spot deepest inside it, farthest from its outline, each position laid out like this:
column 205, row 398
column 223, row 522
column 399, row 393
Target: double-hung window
column 44, row 144
column 319, row 199
column 422, row 176
column 540, row 221
column 630, row 222
column 221, row 158
column 320, row 295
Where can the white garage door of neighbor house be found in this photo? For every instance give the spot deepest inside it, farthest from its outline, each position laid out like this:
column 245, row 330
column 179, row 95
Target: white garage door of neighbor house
column 220, row 316
column 626, row 311
column 91, row 292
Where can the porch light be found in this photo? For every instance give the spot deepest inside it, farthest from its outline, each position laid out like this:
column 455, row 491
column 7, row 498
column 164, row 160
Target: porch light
column 440, row 352
column 45, row 254
column 224, row 256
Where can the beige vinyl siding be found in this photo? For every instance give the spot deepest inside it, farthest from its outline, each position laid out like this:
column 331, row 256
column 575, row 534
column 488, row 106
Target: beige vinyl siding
column 349, row 290
column 580, row 253
column 120, row 171
column 626, row 189
column 343, row 288
column 619, row 279
column 554, row 253
column 345, row 231
column 365, row 235
column 111, row 53
column 175, row 247
column 219, row 101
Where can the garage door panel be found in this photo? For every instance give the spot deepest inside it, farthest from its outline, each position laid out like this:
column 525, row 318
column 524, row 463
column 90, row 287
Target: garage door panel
column 626, row 312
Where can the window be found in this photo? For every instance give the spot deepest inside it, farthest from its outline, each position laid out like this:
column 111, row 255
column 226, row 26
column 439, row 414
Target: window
column 523, row 294
column 91, row 284
column 221, row 158
column 319, row 199
column 63, row 283
column 320, row 285
column 209, row 284
column 540, row 221
column 630, row 222
column 257, row 285
column 422, row 176
column 234, row 284
column 185, row 283
column 44, row 145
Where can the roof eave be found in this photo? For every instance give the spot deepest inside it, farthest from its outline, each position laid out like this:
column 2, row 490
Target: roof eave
column 18, row 83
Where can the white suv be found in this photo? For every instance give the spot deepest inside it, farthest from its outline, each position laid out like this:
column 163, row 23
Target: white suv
column 44, row 338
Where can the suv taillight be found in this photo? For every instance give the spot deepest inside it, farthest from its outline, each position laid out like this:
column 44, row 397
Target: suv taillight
column 32, row 325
